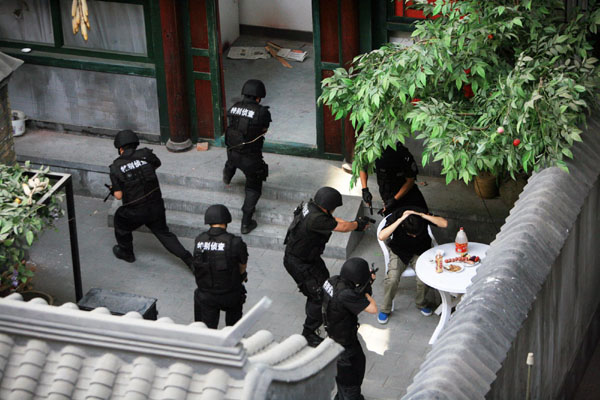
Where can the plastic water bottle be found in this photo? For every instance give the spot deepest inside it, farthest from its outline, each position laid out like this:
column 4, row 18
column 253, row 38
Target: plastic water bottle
column 461, row 242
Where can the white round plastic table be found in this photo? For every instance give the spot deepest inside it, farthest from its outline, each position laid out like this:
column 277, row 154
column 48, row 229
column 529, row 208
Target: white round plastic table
column 447, row 283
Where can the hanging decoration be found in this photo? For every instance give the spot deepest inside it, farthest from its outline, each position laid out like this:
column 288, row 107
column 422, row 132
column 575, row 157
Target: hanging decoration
column 79, row 12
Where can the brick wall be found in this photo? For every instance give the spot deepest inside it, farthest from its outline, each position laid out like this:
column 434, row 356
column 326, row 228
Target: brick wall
column 7, row 148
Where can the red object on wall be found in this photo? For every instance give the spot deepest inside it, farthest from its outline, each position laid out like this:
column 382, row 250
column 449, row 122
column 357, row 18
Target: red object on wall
column 468, row 91
column 177, row 104
column 402, row 10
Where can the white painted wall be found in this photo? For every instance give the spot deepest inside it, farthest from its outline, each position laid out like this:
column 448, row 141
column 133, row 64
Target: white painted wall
column 283, row 14
column 229, row 18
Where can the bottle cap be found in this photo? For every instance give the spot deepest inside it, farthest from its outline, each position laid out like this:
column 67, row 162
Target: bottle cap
column 529, row 359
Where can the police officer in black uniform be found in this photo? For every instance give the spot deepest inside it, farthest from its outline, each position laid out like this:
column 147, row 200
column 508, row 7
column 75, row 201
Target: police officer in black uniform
column 135, row 182
column 396, row 174
column 344, row 297
column 305, row 241
column 248, row 123
column 220, row 268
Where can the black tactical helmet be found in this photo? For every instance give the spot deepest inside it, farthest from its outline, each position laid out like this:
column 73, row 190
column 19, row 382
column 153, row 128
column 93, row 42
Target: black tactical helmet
column 254, row 88
column 126, row 137
column 217, row 214
column 328, row 198
column 356, row 270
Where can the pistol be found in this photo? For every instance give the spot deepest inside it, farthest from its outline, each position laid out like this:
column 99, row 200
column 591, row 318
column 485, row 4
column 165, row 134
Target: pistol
column 373, row 271
column 110, row 192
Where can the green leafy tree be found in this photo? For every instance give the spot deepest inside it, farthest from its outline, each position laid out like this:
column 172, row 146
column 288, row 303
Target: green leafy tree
column 22, row 219
column 497, row 86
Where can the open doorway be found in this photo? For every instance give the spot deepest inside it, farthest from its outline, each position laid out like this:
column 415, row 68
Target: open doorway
column 290, row 91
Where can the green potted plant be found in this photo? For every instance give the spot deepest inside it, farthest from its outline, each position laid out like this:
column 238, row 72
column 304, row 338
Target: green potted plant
column 498, row 87
column 22, row 219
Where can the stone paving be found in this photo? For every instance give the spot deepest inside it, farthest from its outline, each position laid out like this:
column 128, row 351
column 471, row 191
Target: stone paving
column 394, row 351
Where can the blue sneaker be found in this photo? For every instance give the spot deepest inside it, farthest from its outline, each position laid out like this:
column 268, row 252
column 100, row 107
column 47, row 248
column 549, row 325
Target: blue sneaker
column 382, row 318
column 426, row 311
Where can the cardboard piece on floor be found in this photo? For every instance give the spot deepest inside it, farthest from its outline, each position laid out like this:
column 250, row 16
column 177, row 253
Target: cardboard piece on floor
column 273, row 52
column 202, row 146
column 289, row 54
column 294, row 55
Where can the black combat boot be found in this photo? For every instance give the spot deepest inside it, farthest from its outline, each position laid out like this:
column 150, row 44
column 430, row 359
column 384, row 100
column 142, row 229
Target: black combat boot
column 248, row 224
column 123, row 254
column 312, row 339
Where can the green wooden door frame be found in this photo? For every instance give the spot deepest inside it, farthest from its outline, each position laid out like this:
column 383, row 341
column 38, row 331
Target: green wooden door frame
column 214, row 74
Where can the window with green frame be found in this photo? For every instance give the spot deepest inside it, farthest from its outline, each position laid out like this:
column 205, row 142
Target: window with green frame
column 120, row 38
column 401, row 16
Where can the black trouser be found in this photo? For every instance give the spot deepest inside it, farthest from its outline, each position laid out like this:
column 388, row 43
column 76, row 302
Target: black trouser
column 255, row 170
column 310, row 278
column 152, row 214
column 207, row 307
column 350, row 372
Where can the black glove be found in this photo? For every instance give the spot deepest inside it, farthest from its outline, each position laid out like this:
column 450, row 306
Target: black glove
column 363, row 222
column 367, row 196
column 390, row 203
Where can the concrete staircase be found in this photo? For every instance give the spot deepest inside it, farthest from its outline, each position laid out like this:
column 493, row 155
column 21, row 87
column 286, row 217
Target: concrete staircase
column 187, row 198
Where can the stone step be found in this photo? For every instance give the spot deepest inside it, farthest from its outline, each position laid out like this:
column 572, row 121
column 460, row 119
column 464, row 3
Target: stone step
column 269, row 190
column 266, row 235
column 196, row 201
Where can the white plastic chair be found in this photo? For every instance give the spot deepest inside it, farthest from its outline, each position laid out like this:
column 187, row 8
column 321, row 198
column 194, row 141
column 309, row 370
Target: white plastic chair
column 409, row 271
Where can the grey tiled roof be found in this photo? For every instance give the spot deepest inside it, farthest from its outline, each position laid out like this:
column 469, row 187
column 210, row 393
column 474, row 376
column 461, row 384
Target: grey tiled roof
column 7, row 65
column 463, row 362
column 63, row 353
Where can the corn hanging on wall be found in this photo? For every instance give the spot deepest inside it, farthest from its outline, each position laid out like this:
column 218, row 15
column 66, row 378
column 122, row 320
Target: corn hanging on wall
column 79, row 13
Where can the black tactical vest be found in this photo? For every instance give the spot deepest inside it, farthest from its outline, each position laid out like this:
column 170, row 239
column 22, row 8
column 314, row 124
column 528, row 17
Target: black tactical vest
column 244, row 126
column 215, row 269
column 138, row 178
column 301, row 242
column 389, row 170
column 340, row 324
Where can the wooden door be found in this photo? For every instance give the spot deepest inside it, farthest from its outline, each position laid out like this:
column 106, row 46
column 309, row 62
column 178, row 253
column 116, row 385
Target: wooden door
column 204, row 68
column 337, row 42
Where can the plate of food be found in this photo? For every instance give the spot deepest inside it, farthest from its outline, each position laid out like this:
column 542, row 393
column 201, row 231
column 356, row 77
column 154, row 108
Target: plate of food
column 454, row 268
column 467, row 260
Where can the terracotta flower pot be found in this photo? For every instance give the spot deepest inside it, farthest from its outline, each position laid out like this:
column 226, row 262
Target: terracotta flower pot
column 485, row 185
